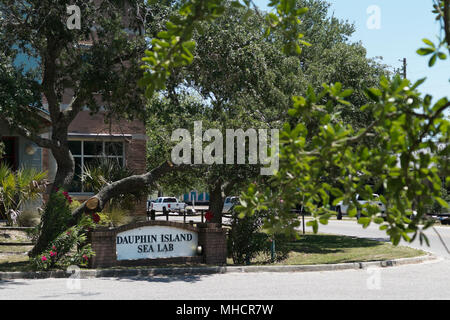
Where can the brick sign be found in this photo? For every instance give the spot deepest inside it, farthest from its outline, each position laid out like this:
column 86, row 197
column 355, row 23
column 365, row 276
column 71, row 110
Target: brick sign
column 158, row 243
column 154, row 242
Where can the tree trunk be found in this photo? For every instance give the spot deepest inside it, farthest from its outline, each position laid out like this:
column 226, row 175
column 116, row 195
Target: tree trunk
column 65, row 167
column 64, row 175
column 216, row 202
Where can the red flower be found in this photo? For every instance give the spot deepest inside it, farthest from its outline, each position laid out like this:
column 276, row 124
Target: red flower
column 85, row 257
column 52, row 254
column 53, row 247
column 44, row 258
column 209, row 215
column 96, row 218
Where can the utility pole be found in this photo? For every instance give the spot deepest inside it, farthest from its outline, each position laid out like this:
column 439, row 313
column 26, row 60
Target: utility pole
column 404, row 68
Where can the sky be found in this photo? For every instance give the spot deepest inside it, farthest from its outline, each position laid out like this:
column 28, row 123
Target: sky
column 402, row 26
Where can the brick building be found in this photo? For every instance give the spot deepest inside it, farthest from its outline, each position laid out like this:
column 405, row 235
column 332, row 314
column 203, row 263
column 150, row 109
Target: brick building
column 90, row 138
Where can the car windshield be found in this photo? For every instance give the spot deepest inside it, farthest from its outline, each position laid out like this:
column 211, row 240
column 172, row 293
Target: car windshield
column 235, row 200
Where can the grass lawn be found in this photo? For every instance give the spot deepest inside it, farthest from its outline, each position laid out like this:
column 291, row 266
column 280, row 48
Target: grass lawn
column 14, row 258
column 13, row 236
column 331, row 249
column 310, row 249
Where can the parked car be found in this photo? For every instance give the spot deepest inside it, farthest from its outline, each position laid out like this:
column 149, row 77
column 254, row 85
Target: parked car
column 229, row 203
column 444, row 218
column 342, row 209
column 168, row 204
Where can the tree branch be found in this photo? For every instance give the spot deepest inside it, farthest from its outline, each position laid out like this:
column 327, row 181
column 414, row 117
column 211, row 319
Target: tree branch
column 127, row 185
column 24, row 132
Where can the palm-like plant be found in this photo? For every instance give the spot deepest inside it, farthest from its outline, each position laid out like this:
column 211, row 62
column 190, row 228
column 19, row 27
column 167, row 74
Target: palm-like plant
column 18, row 187
column 106, row 171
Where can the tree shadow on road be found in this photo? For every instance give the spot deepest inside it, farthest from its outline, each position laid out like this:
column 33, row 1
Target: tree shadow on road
column 330, row 243
column 189, row 278
column 15, row 266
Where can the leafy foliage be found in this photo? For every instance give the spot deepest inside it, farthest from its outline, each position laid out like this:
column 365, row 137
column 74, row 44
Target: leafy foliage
column 436, row 51
column 104, row 172
column 54, row 221
column 18, row 187
column 328, row 160
column 69, row 248
column 246, row 239
column 331, row 164
column 239, row 78
column 174, row 47
column 114, row 217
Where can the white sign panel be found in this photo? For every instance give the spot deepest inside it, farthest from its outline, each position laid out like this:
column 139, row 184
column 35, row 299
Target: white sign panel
column 153, row 242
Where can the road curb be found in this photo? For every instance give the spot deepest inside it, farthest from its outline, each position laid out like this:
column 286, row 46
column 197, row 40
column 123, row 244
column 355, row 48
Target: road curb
column 124, row 273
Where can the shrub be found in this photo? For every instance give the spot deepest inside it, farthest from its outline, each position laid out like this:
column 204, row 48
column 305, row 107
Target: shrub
column 74, row 205
column 69, row 248
column 56, row 215
column 17, row 187
column 246, row 240
column 28, row 218
column 114, row 217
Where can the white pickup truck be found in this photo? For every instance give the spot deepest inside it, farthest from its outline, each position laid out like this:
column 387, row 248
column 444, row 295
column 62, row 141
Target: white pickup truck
column 229, row 203
column 343, row 209
column 169, row 204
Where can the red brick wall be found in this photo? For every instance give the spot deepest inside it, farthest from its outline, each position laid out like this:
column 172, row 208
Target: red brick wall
column 95, row 124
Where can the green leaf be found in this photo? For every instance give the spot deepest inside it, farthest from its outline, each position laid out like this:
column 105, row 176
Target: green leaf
column 365, row 221
column 374, row 94
column 424, row 51
column 418, row 83
column 428, row 42
column 442, row 202
column 352, row 212
column 442, row 55
column 432, row 60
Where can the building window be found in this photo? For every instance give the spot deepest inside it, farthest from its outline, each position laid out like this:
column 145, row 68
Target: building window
column 90, row 152
column 10, row 156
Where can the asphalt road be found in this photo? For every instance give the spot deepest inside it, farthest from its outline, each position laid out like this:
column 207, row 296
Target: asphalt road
column 430, row 280
column 351, row 228
column 424, row 281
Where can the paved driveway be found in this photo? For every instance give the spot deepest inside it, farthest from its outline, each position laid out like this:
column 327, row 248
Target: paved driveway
column 430, row 280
